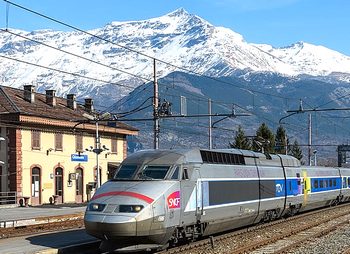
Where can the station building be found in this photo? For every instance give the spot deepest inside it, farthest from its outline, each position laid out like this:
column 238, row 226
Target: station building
column 44, row 157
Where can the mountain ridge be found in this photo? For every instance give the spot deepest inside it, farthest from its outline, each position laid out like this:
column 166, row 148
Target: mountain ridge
column 182, row 39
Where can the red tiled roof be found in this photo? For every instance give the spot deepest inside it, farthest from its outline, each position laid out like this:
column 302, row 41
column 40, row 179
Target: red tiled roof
column 12, row 101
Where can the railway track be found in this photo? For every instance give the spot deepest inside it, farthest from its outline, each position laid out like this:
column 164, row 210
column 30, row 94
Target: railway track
column 290, row 240
column 274, row 237
column 42, row 224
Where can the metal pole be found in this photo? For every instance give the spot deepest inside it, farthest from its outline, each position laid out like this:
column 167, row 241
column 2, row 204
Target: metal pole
column 310, row 140
column 285, row 141
column 155, row 107
column 315, row 158
column 210, row 127
column 97, row 151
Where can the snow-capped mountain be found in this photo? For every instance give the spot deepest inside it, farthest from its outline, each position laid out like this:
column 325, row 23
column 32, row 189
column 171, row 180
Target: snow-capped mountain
column 179, row 38
column 182, row 39
column 310, row 59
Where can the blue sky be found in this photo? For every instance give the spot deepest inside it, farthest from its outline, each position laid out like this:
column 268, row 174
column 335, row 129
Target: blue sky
column 275, row 22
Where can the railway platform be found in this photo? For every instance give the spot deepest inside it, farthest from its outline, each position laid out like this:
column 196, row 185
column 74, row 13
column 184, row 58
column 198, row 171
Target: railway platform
column 63, row 241
column 68, row 241
column 22, row 216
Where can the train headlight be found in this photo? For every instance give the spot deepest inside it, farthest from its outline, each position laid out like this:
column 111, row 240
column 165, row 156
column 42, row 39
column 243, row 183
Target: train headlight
column 130, row 208
column 96, row 207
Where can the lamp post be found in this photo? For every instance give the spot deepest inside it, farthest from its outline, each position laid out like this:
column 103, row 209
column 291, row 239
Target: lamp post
column 97, row 150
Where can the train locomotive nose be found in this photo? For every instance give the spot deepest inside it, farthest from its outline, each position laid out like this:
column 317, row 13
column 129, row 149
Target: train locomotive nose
column 108, row 227
column 116, row 215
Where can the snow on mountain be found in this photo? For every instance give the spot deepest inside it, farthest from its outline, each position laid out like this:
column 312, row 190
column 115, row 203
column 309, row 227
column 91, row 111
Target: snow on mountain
column 179, row 38
column 310, row 59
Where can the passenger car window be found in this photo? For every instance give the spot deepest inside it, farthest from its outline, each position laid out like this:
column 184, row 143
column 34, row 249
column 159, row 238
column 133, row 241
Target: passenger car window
column 344, row 182
column 185, row 174
column 125, row 172
column 315, row 184
column 175, row 175
column 153, row 172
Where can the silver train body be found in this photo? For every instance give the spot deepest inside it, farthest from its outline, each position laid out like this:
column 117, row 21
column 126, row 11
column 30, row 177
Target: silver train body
column 159, row 197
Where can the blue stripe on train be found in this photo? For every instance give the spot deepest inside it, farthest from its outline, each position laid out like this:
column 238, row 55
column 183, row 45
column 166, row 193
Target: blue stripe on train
column 325, row 184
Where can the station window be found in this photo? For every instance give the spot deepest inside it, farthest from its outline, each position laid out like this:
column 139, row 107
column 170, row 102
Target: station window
column 58, row 141
column 79, row 143
column 114, row 145
column 35, row 140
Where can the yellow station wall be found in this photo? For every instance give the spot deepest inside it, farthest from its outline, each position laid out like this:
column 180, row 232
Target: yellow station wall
column 49, row 162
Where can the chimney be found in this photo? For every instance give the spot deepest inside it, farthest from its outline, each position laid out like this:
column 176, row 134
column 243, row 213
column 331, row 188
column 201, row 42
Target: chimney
column 71, row 102
column 50, row 97
column 29, row 93
column 89, row 105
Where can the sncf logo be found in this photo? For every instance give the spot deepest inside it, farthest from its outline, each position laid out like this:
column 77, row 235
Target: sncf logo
column 174, row 200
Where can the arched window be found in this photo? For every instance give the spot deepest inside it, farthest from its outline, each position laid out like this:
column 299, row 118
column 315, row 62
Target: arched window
column 59, row 184
column 79, row 185
column 36, row 186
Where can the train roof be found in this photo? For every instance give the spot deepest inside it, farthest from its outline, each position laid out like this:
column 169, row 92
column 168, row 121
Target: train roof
column 214, row 156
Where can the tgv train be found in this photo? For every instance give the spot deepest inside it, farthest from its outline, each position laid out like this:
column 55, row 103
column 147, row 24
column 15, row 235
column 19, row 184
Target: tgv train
column 160, row 197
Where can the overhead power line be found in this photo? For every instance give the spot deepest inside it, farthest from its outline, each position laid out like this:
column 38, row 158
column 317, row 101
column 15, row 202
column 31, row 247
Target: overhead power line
column 73, row 54
column 131, row 50
column 66, row 72
column 140, row 53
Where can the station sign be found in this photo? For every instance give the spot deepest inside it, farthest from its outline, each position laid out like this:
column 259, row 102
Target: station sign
column 79, row 157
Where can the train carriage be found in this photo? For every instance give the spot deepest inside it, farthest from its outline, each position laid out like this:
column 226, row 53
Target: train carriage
column 226, row 195
column 160, row 197
column 345, row 184
column 321, row 187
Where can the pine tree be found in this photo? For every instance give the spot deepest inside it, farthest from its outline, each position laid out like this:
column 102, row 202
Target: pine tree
column 241, row 141
column 295, row 150
column 281, row 140
column 265, row 140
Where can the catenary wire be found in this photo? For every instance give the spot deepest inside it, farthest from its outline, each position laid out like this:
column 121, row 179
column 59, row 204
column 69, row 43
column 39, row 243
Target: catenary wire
column 73, row 54
column 66, row 72
column 138, row 52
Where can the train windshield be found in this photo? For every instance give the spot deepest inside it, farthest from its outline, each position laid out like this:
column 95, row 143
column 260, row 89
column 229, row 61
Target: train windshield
column 125, row 171
column 150, row 172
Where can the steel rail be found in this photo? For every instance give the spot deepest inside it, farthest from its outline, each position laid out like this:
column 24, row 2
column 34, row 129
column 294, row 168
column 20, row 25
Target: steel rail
column 216, row 240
